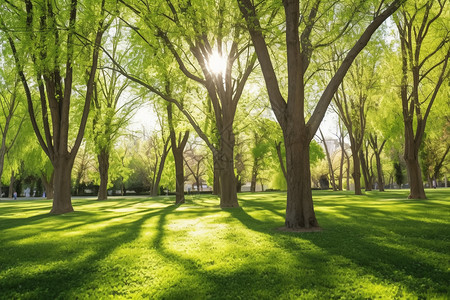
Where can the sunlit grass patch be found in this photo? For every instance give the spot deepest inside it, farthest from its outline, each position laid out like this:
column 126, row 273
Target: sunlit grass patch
column 379, row 245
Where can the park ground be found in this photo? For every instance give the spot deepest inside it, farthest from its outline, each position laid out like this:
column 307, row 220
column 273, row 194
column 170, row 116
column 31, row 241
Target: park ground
column 379, row 245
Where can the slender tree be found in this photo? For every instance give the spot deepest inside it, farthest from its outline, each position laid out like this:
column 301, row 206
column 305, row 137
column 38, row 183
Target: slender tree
column 424, row 33
column 10, row 120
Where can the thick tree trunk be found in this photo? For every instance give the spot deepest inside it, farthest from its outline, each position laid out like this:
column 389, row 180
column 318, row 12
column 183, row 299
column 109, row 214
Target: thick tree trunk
column 299, row 210
column 61, row 185
column 228, row 195
column 103, row 166
column 417, row 190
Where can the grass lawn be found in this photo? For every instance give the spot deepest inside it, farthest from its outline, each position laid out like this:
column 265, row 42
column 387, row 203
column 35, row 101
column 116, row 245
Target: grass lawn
column 379, row 245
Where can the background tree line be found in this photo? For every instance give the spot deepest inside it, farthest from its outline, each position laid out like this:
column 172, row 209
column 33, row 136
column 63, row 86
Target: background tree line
column 239, row 91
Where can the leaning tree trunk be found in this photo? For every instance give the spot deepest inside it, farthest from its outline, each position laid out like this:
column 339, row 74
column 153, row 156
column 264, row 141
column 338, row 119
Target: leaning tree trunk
column 254, row 175
column 365, row 169
column 62, row 203
column 379, row 172
column 179, row 175
column 299, row 209
column 228, row 195
column 103, row 166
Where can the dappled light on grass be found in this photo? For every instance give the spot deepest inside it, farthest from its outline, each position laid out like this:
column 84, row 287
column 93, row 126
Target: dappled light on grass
column 150, row 248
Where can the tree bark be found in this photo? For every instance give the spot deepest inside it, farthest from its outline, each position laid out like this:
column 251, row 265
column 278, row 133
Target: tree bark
column 299, row 209
column 178, row 151
column 179, row 175
column 61, row 184
column 330, row 163
column 341, row 165
column 280, row 159
column 11, row 185
column 48, row 184
column 417, row 190
column 379, row 172
column 216, row 181
column 103, row 166
column 356, row 174
column 157, row 178
column 228, row 196
column 365, row 171
column 254, row 176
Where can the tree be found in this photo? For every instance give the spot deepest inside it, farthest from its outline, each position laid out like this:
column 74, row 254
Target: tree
column 330, row 162
column 424, row 33
column 187, row 33
column 378, row 148
column 353, row 103
column 51, row 43
column 178, row 145
column 11, row 118
column 112, row 111
column 194, row 160
column 290, row 112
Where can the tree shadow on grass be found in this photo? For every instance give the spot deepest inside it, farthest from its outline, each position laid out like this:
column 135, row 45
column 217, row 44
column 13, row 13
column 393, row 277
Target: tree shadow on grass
column 381, row 243
column 251, row 280
column 49, row 269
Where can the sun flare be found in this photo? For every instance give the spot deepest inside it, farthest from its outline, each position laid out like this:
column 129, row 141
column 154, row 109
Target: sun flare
column 217, row 64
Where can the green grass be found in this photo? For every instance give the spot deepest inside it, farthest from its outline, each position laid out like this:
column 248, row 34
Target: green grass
column 380, row 245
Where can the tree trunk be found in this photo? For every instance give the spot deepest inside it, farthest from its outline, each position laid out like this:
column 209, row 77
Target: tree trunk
column 356, row 172
column 366, row 172
column 156, row 179
column 228, row 195
column 348, row 171
column 48, row 184
column 254, row 175
column 216, row 171
column 379, row 172
column 330, row 163
column 299, row 209
column 103, row 166
column 11, row 185
column 61, row 185
column 280, row 159
column 341, row 170
column 179, row 175
column 417, row 190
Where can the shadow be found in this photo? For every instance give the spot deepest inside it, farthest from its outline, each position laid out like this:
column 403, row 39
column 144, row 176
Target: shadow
column 400, row 242
column 50, row 269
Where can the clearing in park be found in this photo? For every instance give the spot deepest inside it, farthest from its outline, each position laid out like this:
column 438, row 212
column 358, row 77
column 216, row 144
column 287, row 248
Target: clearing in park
column 379, row 245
